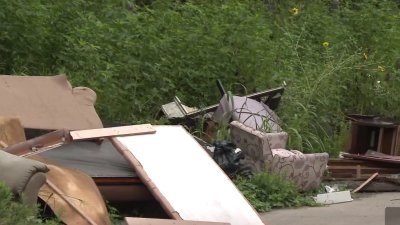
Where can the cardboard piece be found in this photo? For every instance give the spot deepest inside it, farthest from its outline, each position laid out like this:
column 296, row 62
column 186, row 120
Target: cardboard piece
column 11, row 132
column 48, row 103
column 111, row 132
column 72, row 196
column 147, row 221
column 184, row 178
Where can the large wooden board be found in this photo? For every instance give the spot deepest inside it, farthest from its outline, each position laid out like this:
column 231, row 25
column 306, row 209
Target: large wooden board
column 175, row 167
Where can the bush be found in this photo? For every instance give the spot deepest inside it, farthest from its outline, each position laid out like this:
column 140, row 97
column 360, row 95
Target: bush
column 337, row 58
column 266, row 191
column 17, row 212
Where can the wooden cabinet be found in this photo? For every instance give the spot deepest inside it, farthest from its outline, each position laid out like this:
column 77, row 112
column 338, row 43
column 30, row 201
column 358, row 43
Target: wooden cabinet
column 374, row 133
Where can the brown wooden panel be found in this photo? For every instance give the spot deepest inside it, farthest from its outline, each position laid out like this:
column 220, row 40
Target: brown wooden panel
column 147, row 221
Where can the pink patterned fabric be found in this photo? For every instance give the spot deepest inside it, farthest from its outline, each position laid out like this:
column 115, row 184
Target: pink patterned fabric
column 268, row 153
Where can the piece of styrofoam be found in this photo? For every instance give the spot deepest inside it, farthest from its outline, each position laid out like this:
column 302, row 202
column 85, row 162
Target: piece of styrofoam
column 334, row 197
column 188, row 178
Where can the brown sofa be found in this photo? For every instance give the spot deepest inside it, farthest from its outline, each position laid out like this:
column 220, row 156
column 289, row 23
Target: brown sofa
column 23, row 176
column 267, row 151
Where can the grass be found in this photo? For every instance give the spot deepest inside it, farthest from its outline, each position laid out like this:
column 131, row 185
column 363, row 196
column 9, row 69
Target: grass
column 266, row 191
column 14, row 211
column 336, row 57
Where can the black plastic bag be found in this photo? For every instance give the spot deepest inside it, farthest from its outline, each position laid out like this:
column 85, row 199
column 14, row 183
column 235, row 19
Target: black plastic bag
column 227, row 156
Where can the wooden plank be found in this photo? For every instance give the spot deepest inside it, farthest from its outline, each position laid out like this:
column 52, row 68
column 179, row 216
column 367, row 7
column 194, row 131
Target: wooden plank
column 148, row 221
column 365, row 183
column 112, row 132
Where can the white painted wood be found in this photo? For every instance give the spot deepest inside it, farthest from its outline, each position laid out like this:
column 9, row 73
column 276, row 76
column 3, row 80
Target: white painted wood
column 188, row 178
column 334, row 197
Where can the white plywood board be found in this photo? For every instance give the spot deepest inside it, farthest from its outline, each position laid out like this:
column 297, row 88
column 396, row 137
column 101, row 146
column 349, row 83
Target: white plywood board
column 188, row 178
column 334, row 197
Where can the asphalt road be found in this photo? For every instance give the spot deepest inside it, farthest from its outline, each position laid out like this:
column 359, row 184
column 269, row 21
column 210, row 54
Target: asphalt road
column 365, row 209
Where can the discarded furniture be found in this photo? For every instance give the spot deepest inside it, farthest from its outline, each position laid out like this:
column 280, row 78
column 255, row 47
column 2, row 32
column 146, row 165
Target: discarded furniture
column 268, row 152
column 23, row 176
column 185, row 180
column 373, row 133
column 250, row 112
column 99, row 158
column 178, row 112
column 147, row 221
column 44, row 103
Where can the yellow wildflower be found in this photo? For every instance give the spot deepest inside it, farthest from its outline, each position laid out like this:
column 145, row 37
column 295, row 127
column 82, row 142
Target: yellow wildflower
column 365, row 56
column 381, row 68
column 295, row 11
column 325, row 44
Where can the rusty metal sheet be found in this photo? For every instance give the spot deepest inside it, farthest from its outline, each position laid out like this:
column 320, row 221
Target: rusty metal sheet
column 147, row 221
column 184, row 177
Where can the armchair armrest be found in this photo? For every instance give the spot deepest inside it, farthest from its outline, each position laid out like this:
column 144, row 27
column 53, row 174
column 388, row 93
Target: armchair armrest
column 277, row 140
column 304, row 170
column 23, row 176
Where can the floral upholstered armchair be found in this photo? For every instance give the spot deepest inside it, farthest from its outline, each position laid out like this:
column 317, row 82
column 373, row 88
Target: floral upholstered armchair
column 267, row 151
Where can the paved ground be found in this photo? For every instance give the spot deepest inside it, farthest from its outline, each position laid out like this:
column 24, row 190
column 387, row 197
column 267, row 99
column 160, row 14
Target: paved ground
column 365, row 209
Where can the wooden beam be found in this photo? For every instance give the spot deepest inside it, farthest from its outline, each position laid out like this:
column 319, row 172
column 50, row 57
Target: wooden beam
column 365, row 183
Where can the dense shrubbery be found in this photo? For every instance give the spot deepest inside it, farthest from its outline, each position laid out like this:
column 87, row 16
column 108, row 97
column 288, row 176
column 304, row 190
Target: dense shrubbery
column 16, row 212
column 336, row 59
column 266, row 191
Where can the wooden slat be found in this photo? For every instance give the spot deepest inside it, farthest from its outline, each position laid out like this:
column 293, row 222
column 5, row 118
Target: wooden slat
column 147, row 221
column 365, row 183
column 112, row 132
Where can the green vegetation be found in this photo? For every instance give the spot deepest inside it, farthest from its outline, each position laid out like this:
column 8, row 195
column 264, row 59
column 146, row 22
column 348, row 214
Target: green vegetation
column 336, row 58
column 17, row 212
column 266, row 191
